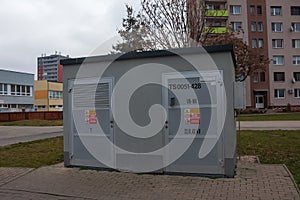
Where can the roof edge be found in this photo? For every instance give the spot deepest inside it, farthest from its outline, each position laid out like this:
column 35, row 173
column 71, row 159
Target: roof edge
column 12, row 71
column 150, row 54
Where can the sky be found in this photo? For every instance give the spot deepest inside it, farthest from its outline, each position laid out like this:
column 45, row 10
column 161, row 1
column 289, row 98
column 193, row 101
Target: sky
column 30, row 28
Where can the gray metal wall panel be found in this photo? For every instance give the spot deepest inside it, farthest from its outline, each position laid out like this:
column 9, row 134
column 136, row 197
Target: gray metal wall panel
column 17, row 99
column 16, row 78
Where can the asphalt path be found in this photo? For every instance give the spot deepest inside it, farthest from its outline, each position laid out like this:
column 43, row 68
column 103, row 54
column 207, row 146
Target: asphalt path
column 15, row 134
column 270, row 125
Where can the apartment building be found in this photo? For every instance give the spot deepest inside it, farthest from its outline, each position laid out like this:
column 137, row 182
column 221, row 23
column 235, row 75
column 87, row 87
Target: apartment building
column 284, row 49
column 16, row 91
column 259, row 94
column 49, row 67
column 248, row 21
column 48, row 96
column 273, row 26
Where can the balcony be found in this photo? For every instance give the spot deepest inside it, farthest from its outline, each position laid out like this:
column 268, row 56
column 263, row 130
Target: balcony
column 216, row 30
column 216, row 13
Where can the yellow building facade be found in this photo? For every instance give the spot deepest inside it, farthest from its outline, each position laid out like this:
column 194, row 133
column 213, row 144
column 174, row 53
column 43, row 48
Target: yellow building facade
column 48, row 96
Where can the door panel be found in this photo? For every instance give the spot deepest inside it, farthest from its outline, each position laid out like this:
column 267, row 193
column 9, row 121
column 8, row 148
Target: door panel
column 197, row 101
column 91, row 115
column 259, row 101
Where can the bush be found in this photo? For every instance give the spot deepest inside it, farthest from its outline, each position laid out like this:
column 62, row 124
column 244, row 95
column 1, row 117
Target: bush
column 253, row 111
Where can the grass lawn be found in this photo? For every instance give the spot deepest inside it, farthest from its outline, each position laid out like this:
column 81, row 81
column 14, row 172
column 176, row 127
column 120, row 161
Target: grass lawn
column 271, row 117
column 33, row 154
column 33, row 123
column 274, row 147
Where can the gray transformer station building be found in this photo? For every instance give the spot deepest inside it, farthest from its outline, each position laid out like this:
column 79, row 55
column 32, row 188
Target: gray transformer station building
column 16, row 91
column 158, row 111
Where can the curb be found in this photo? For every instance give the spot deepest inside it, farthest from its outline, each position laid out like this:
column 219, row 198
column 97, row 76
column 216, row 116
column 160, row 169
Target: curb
column 292, row 178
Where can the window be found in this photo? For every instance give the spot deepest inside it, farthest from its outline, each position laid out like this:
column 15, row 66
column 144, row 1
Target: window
column 277, row 27
column 3, row 106
column 262, row 76
column 215, row 23
column 255, row 77
column 23, row 90
column 18, row 90
column 55, row 95
column 279, row 76
column 295, row 10
column 278, row 60
column 279, row 93
column 213, row 7
column 275, row 10
column 296, row 43
column 252, row 10
column 259, row 10
column 55, row 106
column 297, row 93
column 235, row 10
column 295, row 27
column 236, row 26
column 52, row 106
column 41, row 107
column 253, row 26
column 216, row 7
column 253, row 43
column 3, row 89
column 297, row 76
column 260, row 43
column 259, row 26
column 13, row 89
column 277, row 43
column 296, row 60
column 27, row 90
column 209, row 7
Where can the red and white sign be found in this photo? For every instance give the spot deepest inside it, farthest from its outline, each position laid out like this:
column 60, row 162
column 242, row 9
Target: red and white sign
column 192, row 116
column 91, row 117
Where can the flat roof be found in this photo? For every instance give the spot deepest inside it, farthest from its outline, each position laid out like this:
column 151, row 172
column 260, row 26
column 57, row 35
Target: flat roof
column 150, row 54
column 53, row 56
column 5, row 70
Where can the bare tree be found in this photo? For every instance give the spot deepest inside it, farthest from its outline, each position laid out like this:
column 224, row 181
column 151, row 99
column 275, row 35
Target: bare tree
column 248, row 59
column 164, row 24
column 199, row 27
column 176, row 23
column 134, row 34
column 167, row 24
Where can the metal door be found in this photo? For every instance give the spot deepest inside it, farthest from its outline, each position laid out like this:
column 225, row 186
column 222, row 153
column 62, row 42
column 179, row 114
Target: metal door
column 195, row 104
column 91, row 135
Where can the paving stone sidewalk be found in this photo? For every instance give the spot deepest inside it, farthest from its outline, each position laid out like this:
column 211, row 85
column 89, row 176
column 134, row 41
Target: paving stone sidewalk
column 8, row 174
column 253, row 181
